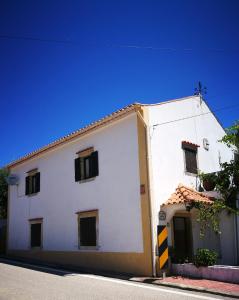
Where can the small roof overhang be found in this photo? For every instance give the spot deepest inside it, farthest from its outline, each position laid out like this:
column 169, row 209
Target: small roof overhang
column 184, row 194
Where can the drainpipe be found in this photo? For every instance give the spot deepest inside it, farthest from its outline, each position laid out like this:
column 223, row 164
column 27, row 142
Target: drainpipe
column 148, row 159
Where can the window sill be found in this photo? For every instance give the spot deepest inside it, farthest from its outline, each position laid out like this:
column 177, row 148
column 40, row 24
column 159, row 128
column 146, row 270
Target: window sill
column 190, row 174
column 32, row 195
column 87, row 248
column 87, row 180
column 36, row 248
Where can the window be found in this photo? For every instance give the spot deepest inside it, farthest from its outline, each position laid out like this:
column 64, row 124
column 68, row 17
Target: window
column 236, row 156
column 190, row 153
column 191, row 161
column 88, row 229
column 86, row 166
column 36, row 233
column 32, row 183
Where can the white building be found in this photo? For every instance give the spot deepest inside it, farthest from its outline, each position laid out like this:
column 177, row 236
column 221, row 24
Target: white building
column 92, row 198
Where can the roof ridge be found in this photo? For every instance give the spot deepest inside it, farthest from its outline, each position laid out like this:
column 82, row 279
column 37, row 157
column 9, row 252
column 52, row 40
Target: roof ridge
column 169, row 101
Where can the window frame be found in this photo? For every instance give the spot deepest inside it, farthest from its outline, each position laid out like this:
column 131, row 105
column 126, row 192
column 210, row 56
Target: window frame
column 32, row 182
column 86, row 171
column 85, row 156
column 236, row 156
column 32, row 222
column 88, row 214
column 186, row 147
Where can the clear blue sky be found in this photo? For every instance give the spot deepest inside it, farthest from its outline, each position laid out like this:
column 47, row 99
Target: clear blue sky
column 48, row 89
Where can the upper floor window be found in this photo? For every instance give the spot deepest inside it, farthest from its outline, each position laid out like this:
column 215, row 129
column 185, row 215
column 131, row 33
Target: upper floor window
column 190, row 155
column 32, row 182
column 86, row 165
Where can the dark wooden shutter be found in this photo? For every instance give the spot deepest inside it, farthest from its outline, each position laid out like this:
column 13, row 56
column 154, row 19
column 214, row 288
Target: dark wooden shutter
column 94, row 166
column 37, row 182
column 27, row 185
column 88, row 231
column 191, row 161
column 78, row 169
column 36, row 235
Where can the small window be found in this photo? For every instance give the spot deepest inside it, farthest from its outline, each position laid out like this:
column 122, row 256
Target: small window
column 32, row 183
column 86, row 167
column 88, row 229
column 36, row 234
column 190, row 155
column 236, row 156
column 191, row 161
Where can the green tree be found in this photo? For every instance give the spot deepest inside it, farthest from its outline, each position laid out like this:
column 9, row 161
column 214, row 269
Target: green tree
column 231, row 139
column 3, row 193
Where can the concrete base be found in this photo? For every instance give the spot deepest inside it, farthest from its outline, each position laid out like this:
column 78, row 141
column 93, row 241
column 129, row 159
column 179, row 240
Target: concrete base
column 217, row 272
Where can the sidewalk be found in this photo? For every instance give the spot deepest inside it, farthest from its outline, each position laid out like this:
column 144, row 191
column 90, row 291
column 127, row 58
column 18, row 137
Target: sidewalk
column 200, row 285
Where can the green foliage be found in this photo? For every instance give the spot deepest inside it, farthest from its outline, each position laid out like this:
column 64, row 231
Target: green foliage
column 3, row 193
column 208, row 180
column 231, row 139
column 209, row 215
column 226, row 183
column 207, row 176
column 205, row 257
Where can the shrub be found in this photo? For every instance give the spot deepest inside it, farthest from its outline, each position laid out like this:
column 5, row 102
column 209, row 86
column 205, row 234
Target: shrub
column 205, row 257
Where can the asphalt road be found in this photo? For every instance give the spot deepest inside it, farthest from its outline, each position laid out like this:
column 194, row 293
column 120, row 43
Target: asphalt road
column 21, row 282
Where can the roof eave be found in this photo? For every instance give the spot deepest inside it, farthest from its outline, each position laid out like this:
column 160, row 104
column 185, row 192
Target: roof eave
column 76, row 134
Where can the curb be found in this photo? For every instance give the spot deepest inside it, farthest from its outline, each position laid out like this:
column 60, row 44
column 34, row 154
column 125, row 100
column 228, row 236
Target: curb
column 196, row 289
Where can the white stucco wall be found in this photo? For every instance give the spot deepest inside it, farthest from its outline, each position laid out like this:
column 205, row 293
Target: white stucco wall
column 115, row 193
column 167, row 155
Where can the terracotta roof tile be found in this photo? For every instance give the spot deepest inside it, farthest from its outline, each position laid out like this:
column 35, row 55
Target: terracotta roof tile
column 92, row 126
column 105, row 120
column 186, row 143
column 185, row 194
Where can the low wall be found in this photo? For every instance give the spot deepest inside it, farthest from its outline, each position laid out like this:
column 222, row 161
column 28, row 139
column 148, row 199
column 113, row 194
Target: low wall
column 217, row 272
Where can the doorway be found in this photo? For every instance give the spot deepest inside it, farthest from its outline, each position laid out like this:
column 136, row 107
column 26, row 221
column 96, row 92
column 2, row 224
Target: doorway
column 182, row 239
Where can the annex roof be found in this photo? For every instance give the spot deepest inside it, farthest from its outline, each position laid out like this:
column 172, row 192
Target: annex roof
column 184, row 194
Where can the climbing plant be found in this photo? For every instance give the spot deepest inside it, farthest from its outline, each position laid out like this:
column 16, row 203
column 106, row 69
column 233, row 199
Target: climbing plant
column 226, row 184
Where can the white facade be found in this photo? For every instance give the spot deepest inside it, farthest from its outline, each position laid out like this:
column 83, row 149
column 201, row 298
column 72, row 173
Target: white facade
column 166, row 136
column 190, row 120
column 114, row 193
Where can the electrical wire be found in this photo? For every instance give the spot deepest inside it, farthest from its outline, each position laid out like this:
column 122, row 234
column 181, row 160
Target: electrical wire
column 194, row 116
column 70, row 42
column 24, row 38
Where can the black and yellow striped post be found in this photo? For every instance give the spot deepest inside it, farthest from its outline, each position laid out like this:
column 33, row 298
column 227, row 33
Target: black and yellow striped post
column 163, row 246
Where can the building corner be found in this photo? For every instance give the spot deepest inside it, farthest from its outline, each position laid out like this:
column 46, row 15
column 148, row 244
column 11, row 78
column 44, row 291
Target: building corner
column 147, row 207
